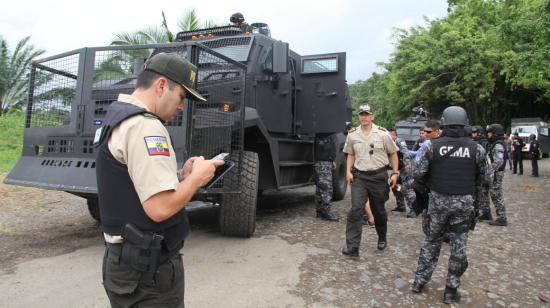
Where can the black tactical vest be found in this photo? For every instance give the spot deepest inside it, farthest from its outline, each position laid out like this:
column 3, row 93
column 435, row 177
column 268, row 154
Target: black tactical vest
column 324, row 148
column 453, row 174
column 119, row 203
column 490, row 148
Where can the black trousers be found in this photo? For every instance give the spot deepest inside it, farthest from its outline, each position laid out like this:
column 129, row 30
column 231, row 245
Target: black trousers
column 374, row 188
column 534, row 166
column 125, row 289
column 518, row 160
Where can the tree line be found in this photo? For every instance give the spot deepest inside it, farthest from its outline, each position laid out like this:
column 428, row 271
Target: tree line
column 491, row 57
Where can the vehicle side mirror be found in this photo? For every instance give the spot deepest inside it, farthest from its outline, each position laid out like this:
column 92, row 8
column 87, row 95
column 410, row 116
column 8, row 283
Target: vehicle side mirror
column 280, row 57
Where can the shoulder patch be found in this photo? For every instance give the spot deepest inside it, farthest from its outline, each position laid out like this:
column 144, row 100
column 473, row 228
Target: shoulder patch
column 157, row 145
column 382, row 129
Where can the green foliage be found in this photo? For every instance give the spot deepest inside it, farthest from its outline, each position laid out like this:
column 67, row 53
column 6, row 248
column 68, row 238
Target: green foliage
column 11, row 139
column 119, row 66
column 487, row 56
column 14, row 73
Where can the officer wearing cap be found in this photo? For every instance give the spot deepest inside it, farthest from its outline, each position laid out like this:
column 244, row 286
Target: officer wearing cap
column 452, row 164
column 141, row 196
column 369, row 150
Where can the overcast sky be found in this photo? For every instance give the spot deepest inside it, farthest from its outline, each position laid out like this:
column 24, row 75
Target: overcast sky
column 362, row 29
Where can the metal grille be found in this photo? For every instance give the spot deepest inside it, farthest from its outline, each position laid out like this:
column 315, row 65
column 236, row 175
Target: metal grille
column 217, row 125
column 52, row 91
column 115, row 72
column 236, row 48
column 320, row 65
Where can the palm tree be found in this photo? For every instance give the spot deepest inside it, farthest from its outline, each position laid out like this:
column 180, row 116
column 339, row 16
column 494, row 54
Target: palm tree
column 119, row 64
column 14, row 73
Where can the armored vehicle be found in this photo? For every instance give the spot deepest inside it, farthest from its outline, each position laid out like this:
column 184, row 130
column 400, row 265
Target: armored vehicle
column 409, row 129
column 266, row 103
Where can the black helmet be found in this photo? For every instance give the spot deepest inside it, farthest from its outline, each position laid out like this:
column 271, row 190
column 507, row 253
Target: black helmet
column 454, row 115
column 496, row 129
column 532, row 137
column 477, row 129
column 237, row 17
column 468, row 130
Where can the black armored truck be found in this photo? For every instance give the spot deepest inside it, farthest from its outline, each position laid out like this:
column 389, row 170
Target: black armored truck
column 266, row 104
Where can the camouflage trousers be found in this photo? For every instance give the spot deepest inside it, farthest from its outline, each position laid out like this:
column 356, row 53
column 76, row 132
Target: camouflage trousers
column 497, row 196
column 482, row 201
column 406, row 196
column 446, row 213
column 323, row 184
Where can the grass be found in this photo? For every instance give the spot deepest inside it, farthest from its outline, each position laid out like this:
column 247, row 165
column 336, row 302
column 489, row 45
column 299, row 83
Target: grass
column 11, row 139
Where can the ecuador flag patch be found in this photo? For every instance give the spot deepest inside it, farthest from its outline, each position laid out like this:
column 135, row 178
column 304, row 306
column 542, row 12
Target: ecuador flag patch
column 157, row 145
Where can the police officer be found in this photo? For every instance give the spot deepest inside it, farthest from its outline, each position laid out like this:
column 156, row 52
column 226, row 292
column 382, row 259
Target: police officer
column 497, row 156
column 517, row 146
column 403, row 192
column 237, row 20
column 141, row 196
column 325, row 156
column 370, row 149
column 478, row 135
column 481, row 196
column 452, row 163
column 534, row 150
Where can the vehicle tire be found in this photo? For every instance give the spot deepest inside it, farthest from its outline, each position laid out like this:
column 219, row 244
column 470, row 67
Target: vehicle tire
column 339, row 183
column 93, row 208
column 237, row 215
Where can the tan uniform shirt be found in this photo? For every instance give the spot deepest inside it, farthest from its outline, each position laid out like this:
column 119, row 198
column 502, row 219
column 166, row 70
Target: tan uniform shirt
column 143, row 144
column 378, row 141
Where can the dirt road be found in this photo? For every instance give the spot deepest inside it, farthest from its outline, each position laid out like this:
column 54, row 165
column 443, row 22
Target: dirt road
column 51, row 250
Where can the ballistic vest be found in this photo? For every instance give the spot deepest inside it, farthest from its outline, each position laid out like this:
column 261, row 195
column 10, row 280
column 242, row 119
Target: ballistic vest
column 119, row 203
column 453, row 174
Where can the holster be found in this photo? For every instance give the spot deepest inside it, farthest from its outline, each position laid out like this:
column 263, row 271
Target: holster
column 142, row 251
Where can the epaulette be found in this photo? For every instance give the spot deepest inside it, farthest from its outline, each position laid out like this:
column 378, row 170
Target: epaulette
column 352, row 130
column 382, row 129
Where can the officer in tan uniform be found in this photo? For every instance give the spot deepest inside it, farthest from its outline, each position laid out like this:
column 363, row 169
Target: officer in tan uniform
column 370, row 149
column 142, row 198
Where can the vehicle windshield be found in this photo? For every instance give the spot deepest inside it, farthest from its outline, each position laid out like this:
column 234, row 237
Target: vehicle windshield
column 403, row 131
column 526, row 130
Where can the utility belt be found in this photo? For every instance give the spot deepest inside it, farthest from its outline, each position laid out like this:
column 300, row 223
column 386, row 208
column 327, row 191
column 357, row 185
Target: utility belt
column 141, row 251
column 370, row 172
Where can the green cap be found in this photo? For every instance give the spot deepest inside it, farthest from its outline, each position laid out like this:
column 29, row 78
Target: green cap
column 177, row 69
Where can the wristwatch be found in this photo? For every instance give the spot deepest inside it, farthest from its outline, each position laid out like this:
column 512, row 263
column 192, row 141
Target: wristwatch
column 396, row 173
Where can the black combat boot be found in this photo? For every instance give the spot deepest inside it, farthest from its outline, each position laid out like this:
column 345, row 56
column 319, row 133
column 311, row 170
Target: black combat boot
column 417, row 287
column 486, row 216
column 451, row 296
column 382, row 244
column 351, row 252
column 498, row 222
column 326, row 214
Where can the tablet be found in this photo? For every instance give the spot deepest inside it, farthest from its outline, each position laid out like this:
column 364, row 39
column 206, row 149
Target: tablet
column 219, row 173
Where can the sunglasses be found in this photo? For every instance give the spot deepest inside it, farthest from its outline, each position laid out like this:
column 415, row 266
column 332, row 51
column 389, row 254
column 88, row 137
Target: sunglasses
column 428, row 131
column 371, row 149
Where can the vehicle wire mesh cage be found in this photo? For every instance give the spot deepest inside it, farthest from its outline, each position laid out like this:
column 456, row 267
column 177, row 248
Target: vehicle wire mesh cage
column 69, row 95
column 53, row 84
column 217, row 124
